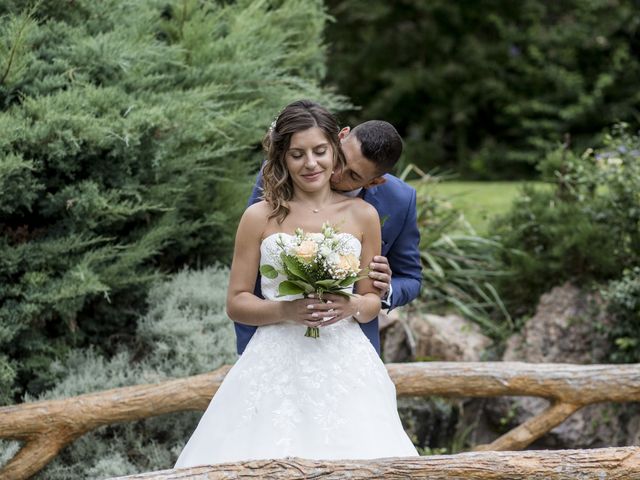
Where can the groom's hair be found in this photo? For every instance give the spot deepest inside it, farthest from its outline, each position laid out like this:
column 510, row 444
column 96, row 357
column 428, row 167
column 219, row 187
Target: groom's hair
column 380, row 143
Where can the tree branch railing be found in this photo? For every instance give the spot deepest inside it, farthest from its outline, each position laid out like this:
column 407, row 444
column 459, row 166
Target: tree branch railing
column 604, row 463
column 47, row 427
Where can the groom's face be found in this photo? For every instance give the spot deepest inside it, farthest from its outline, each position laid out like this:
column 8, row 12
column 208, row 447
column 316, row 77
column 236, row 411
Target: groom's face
column 359, row 171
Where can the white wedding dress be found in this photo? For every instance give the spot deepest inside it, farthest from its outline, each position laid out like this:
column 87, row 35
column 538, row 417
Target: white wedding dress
column 294, row 396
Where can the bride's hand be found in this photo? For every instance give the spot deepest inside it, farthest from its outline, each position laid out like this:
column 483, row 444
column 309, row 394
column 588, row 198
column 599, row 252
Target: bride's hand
column 332, row 309
column 299, row 312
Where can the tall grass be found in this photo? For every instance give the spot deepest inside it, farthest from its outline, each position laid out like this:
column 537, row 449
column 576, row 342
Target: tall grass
column 459, row 265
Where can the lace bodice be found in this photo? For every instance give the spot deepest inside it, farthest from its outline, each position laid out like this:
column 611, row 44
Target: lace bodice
column 270, row 250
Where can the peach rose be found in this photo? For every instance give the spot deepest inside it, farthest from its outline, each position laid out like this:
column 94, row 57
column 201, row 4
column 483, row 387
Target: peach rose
column 349, row 263
column 306, row 251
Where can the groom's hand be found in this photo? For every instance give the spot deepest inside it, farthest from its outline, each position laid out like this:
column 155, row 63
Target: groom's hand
column 380, row 273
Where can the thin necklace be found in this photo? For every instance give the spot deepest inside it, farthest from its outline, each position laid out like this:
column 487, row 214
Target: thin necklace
column 317, row 210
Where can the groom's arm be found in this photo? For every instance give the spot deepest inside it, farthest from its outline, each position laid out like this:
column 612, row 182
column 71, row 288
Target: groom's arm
column 245, row 332
column 256, row 193
column 404, row 261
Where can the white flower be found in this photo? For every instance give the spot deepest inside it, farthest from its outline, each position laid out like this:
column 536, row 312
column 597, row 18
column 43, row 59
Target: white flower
column 325, row 250
column 316, row 237
column 614, row 161
column 287, row 244
column 333, row 258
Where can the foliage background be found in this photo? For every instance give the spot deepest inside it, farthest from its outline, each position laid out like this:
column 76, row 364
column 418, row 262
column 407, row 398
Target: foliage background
column 524, row 90
column 185, row 332
column 130, row 134
column 487, row 88
column 585, row 230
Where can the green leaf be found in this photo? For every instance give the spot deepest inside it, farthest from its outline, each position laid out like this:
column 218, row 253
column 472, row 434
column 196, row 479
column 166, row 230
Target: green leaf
column 308, row 288
column 347, row 282
column 289, row 288
column 292, row 268
column 328, row 283
column 268, row 271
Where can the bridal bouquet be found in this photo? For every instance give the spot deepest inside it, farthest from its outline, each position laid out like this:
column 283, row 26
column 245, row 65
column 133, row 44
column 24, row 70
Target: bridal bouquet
column 315, row 263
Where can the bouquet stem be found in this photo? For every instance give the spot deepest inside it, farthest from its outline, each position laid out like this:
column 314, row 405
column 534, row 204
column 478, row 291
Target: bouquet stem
column 313, row 332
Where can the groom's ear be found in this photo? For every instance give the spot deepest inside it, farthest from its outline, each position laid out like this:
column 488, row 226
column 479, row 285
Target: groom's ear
column 342, row 134
column 376, row 181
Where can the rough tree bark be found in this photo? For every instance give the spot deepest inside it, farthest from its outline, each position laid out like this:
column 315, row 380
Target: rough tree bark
column 47, row 427
column 605, row 463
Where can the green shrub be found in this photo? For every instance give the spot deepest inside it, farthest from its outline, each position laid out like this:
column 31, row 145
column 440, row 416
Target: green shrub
column 624, row 304
column 129, row 142
column 587, row 229
column 488, row 87
column 185, row 332
column 459, row 266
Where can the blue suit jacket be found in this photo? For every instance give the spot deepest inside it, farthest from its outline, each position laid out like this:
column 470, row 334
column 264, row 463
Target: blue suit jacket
column 395, row 202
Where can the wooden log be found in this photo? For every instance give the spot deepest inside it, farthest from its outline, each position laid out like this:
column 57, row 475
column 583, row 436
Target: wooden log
column 87, row 412
column 47, row 427
column 606, row 463
column 59, row 422
column 576, row 384
column 527, row 433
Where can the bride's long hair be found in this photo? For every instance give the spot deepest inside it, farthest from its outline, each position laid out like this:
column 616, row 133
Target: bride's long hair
column 295, row 117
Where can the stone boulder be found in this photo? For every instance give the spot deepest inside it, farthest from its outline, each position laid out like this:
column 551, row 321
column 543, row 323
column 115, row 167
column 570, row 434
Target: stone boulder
column 411, row 336
column 569, row 326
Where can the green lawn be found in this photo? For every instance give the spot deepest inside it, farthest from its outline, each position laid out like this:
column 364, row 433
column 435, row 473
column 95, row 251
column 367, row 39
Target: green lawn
column 479, row 201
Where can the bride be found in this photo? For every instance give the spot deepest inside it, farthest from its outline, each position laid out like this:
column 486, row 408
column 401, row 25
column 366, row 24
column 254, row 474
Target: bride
column 289, row 394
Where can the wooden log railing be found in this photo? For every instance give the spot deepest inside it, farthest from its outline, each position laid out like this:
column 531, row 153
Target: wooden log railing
column 605, row 463
column 47, row 427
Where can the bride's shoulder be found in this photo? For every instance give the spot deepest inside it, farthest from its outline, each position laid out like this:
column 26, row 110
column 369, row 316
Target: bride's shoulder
column 361, row 209
column 258, row 210
column 255, row 217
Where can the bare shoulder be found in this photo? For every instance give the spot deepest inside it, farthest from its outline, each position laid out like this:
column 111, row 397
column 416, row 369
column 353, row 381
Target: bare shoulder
column 255, row 218
column 258, row 211
column 363, row 211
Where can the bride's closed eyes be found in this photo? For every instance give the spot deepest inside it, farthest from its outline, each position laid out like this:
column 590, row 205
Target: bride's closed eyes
column 299, row 153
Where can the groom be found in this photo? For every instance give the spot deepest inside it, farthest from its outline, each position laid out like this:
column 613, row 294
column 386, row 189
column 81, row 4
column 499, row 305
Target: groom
column 371, row 150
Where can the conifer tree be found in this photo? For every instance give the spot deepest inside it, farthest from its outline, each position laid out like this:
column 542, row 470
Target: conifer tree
column 486, row 87
column 129, row 134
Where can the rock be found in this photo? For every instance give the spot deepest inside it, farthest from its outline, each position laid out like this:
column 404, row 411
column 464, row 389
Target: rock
column 474, row 426
column 394, row 342
column 570, row 326
column 411, row 336
column 385, row 320
column 449, row 338
column 562, row 330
